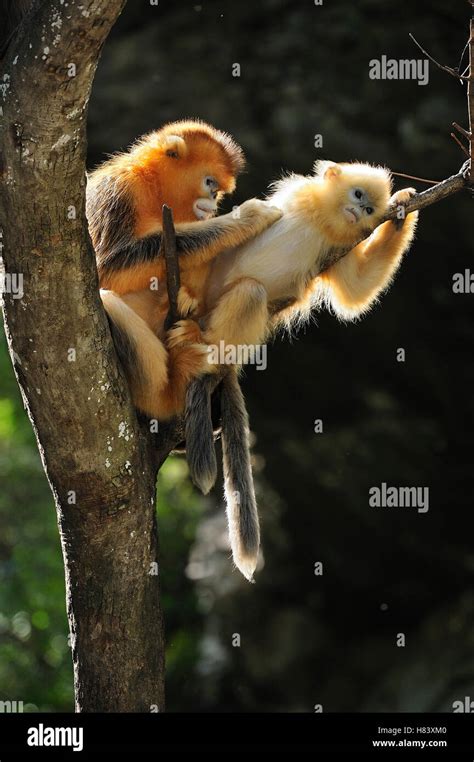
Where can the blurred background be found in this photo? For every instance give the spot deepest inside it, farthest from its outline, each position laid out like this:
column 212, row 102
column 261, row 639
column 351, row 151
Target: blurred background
column 306, row 639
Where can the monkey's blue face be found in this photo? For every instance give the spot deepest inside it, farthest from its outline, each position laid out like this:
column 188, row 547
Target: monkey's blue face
column 358, row 206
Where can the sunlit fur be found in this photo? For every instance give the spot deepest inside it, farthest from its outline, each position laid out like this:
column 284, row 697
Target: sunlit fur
column 167, row 167
column 125, row 196
column 285, row 261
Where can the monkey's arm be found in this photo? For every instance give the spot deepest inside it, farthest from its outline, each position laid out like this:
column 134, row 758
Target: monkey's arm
column 353, row 283
column 130, row 263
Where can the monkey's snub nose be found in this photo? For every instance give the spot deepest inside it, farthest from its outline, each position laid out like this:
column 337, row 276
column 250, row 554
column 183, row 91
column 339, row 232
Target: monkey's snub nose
column 351, row 214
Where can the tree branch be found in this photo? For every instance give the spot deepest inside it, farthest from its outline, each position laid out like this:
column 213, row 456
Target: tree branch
column 436, row 193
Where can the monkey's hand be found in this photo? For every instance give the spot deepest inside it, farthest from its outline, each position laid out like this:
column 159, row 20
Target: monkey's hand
column 399, row 201
column 259, row 215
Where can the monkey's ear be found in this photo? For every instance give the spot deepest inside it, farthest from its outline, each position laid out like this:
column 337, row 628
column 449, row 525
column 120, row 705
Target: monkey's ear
column 174, row 146
column 327, row 169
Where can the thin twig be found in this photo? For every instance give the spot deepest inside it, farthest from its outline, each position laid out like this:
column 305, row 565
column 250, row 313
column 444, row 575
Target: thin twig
column 449, row 69
column 463, row 148
column 462, row 55
column 173, row 280
column 462, row 130
column 412, row 177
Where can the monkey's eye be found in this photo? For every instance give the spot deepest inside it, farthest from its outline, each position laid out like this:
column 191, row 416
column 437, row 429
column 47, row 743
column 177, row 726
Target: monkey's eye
column 369, row 210
column 211, row 182
column 172, row 154
column 210, row 186
column 356, row 195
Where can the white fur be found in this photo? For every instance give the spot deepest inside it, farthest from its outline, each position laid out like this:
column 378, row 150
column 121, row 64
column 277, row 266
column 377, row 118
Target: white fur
column 261, row 258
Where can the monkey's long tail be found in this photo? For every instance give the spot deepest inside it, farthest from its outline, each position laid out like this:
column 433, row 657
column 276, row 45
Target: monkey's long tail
column 200, row 450
column 242, row 514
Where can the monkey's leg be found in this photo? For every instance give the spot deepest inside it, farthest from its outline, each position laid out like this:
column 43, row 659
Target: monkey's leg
column 355, row 281
column 242, row 513
column 153, row 307
column 157, row 378
column 150, row 306
column 240, row 316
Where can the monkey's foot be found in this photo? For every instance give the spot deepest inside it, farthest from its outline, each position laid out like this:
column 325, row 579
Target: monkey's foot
column 184, row 332
column 187, row 303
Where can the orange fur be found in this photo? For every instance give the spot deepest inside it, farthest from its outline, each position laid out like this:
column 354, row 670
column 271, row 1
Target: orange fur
column 153, row 176
column 186, row 359
column 159, row 386
column 151, row 307
column 167, row 166
column 136, row 278
column 189, row 166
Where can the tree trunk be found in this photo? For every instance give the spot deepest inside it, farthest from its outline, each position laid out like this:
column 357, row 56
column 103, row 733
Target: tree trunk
column 98, row 459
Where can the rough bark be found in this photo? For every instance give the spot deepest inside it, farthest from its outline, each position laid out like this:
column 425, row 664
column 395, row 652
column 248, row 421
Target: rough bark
column 98, row 459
